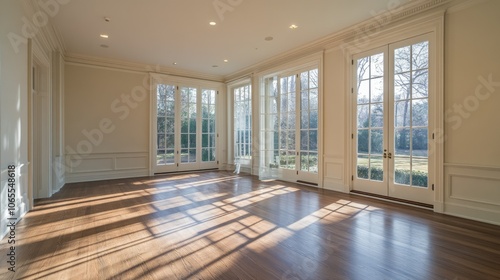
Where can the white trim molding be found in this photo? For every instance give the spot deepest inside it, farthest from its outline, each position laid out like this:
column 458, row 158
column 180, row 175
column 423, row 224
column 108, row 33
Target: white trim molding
column 140, row 67
column 472, row 192
column 104, row 166
column 334, row 173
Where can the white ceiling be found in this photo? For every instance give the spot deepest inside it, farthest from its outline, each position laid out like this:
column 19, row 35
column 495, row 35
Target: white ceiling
column 161, row 32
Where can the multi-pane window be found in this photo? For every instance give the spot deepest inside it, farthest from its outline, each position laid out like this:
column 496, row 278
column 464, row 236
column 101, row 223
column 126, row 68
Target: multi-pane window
column 411, row 76
column 208, row 134
column 269, row 124
column 185, row 120
column 289, row 122
column 165, row 153
column 309, row 121
column 370, row 117
column 407, row 113
column 188, row 124
column 243, row 122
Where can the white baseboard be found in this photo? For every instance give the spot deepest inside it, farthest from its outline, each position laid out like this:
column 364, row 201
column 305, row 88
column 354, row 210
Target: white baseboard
column 472, row 192
column 105, row 175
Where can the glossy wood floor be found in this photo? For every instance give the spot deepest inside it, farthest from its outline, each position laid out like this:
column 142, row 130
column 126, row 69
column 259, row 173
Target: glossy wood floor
column 217, row 225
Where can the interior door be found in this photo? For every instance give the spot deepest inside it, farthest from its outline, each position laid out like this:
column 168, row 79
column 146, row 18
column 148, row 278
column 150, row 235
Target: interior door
column 391, row 127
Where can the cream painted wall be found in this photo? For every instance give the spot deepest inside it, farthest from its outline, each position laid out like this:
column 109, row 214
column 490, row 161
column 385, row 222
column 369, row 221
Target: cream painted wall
column 13, row 110
column 471, row 186
column 106, row 123
column 471, row 56
column 117, row 98
column 334, row 121
column 472, row 102
column 334, row 103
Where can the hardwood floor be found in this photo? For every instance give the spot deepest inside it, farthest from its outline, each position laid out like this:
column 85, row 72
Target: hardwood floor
column 218, row 225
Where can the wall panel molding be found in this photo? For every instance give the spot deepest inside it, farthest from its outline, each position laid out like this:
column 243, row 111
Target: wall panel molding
column 472, row 192
column 105, row 166
column 333, row 176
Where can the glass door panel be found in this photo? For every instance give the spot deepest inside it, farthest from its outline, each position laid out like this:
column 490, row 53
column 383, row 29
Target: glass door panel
column 392, row 126
column 287, row 123
column 165, row 152
column 410, row 142
column 188, row 124
column 270, row 129
column 242, row 120
column 208, row 134
column 370, row 129
column 289, row 126
column 309, row 121
column 185, row 138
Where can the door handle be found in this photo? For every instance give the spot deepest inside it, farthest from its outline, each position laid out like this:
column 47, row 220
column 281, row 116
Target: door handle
column 385, row 153
column 390, row 155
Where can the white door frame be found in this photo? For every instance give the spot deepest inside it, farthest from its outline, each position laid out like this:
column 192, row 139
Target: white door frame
column 180, row 82
column 296, row 175
column 39, row 124
column 433, row 24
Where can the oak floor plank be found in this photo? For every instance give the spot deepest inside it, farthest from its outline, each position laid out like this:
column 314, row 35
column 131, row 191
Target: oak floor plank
column 217, row 225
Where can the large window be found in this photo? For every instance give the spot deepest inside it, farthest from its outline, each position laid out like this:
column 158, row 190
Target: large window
column 392, row 111
column 289, row 125
column 243, row 122
column 185, row 121
column 188, row 124
column 208, row 134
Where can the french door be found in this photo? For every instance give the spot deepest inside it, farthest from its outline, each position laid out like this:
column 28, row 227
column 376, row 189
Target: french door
column 391, row 98
column 185, row 128
column 289, row 122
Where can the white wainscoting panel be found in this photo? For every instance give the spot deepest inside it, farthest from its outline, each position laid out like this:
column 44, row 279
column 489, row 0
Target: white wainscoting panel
column 106, row 166
column 131, row 163
column 472, row 192
column 334, row 174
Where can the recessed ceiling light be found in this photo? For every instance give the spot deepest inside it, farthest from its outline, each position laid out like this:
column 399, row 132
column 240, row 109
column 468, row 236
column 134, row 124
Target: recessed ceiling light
column 269, row 38
column 105, row 36
column 104, row 46
column 226, row 61
column 175, row 63
column 213, row 23
column 107, row 19
column 293, row 26
column 215, row 66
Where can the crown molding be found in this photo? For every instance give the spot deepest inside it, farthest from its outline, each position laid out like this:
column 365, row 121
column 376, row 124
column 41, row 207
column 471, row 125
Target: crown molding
column 59, row 40
column 465, row 4
column 139, row 67
column 406, row 11
column 46, row 35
